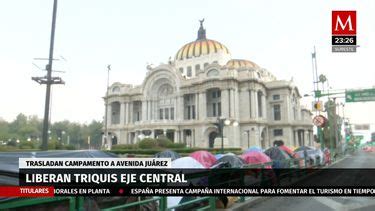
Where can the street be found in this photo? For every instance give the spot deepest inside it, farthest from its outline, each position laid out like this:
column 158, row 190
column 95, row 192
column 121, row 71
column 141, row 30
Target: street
column 359, row 160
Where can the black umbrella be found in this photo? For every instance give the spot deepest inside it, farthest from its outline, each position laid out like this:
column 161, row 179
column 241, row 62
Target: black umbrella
column 275, row 153
column 231, row 161
column 278, row 156
column 168, row 154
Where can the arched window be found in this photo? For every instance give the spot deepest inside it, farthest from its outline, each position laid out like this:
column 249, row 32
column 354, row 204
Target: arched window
column 212, row 72
column 197, row 67
column 116, row 89
column 189, row 72
column 166, row 102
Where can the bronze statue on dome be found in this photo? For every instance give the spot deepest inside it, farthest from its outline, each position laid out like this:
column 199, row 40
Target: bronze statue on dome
column 201, row 22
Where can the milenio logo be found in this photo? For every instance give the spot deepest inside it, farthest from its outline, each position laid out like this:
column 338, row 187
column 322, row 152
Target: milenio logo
column 344, row 31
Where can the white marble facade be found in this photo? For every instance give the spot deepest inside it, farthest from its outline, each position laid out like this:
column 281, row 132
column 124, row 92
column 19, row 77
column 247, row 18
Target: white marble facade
column 183, row 98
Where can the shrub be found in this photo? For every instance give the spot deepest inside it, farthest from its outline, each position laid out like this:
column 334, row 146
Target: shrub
column 69, row 147
column 148, row 143
column 26, row 145
column 125, row 146
column 4, row 148
column 177, row 145
column 52, row 144
column 12, row 143
column 152, row 151
column 164, row 142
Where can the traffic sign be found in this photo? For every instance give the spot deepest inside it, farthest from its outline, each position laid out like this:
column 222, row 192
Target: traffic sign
column 319, row 121
column 317, row 106
column 361, row 95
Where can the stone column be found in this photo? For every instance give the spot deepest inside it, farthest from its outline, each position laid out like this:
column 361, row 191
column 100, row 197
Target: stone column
column 303, row 137
column 243, row 105
column 179, row 108
column 122, row 113
column 193, row 137
column 202, row 106
column 196, row 103
column 236, row 93
column 175, row 105
column 154, row 110
column 109, row 114
column 149, row 104
column 144, row 110
column 131, row 112
column 255, row 103
column 264, row 106
column 147, row 110
column 232, row 102
column 225, row 103
column 126, row 117
column 175, row 133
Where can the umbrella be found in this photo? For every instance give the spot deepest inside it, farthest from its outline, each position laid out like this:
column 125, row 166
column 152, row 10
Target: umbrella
column 218, row 156
column 253, row 148
column 276, row 153
column 232, row 161
column 255, row 157
column 187, row 162
column 168, row 154
column 204, row 157
column 289, row 151
column 278, row 156
column 293, row 154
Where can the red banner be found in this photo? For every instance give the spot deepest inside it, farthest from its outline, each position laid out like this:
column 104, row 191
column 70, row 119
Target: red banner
column 26, row 191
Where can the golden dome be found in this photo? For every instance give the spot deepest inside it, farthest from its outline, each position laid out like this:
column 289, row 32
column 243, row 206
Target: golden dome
column 200, row 47
column 237, row 63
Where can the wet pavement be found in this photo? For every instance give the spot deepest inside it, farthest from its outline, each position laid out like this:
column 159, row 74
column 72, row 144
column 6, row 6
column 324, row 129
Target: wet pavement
column 359, row 160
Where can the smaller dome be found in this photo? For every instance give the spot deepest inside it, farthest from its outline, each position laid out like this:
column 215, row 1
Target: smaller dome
column 238, row 63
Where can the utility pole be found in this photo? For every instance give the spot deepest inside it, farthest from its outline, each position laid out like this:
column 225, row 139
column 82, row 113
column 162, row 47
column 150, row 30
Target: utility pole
column 49, row 80
column 106, row 140
column 316, row 88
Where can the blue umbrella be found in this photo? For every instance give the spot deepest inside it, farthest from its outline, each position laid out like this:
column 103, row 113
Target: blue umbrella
column 218, row 156
column 253, row 148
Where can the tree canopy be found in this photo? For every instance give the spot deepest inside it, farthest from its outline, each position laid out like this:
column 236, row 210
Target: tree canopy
column 29, row 129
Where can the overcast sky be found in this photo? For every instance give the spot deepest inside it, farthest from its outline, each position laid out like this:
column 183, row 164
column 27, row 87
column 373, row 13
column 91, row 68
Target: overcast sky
column 277, row 35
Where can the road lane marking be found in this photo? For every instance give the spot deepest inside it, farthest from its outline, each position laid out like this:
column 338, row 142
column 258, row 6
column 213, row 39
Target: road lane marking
column 330, row 203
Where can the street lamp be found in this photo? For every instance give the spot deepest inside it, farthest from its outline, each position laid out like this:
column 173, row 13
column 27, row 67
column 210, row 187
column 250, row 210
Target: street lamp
column 62, row 136
column 248, row 135
column 221, row 122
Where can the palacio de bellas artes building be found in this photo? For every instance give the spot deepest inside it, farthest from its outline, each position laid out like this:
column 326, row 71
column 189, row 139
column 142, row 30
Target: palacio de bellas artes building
column 184, row 98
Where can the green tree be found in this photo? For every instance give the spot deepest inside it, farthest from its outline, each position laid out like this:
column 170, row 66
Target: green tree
column 95, row 132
